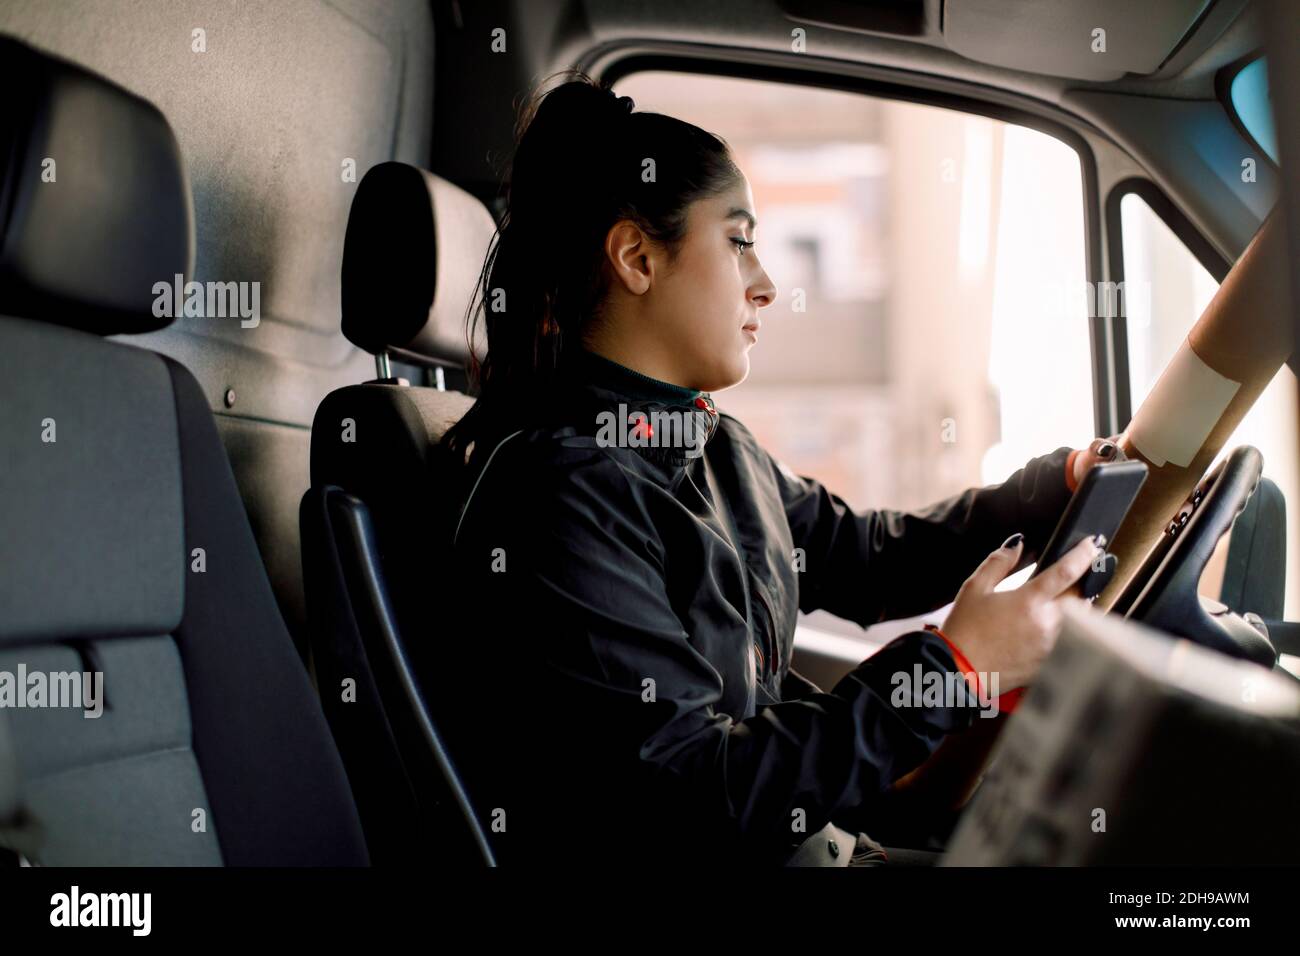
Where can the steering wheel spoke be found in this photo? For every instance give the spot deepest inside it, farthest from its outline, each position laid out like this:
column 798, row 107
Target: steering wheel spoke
column 1164, row 593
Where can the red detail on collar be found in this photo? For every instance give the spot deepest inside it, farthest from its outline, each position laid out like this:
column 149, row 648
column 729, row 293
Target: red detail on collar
column 642, row 427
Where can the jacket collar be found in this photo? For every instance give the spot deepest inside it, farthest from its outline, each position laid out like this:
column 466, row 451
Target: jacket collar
column 600, row 371
column 665, row 423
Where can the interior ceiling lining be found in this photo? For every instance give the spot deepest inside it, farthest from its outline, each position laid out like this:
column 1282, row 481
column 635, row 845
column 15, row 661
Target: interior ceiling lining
column 1225, row 32
column 1099, row 41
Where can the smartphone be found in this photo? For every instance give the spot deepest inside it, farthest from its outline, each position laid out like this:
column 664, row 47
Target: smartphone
column 1098, row 507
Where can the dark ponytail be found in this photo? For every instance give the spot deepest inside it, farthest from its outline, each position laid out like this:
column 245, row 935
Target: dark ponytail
column 583, row 161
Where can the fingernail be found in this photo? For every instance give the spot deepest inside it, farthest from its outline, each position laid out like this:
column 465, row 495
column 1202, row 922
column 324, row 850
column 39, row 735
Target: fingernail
column 1099, row 540
column 1106, row 450
column 1013, row 541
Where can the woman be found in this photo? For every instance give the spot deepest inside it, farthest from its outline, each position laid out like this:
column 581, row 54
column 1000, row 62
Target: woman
column 628, row 562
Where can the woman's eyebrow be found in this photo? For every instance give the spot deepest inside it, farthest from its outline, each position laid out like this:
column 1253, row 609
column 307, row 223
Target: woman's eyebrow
column 739, row 213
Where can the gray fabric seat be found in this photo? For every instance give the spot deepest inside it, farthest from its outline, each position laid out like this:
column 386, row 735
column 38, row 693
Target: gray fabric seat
column 126, row 549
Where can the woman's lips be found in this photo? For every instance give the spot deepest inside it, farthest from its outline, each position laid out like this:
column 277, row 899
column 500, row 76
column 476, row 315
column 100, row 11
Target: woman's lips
column 751, row 330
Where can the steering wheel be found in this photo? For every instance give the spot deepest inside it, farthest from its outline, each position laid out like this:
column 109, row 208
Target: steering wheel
column 1169, row 600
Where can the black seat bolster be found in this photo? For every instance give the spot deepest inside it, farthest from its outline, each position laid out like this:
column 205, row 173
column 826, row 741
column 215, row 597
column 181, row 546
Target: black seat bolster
column 388, row 737
column 276, row 784
column 386, row 800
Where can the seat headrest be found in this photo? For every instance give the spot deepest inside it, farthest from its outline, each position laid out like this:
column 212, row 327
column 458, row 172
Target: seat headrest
column 412, row 257
column 94, row 202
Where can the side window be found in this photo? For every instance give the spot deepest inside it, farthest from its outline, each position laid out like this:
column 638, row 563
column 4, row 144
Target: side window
column 930, row 332
column 1253, row 105
column 1166, row 290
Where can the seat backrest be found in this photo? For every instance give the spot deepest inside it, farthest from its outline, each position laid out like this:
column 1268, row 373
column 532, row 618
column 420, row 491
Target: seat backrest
column 155, row 709
column 414, row 248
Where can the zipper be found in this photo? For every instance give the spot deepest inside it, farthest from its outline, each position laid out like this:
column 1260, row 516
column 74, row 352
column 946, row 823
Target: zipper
column 767, row 663
column 770, row 631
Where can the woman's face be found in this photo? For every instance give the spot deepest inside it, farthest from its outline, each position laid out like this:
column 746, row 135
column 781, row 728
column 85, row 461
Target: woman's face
column 708, row 299
column 692, row 321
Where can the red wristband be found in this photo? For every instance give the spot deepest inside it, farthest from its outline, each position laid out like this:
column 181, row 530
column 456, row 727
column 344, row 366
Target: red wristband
column 1007, row 702
column 963, row 665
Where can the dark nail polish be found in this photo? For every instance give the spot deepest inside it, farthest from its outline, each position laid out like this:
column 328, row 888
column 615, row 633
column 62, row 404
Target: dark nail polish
column 1012, row 541
column 1099, row 540
column 1106, row 450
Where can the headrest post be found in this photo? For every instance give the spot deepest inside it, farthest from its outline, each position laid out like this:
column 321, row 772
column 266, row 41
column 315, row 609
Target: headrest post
column 382, row 368
column 438, row 380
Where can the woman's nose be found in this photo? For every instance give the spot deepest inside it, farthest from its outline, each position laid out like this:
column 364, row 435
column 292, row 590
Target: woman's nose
column 763, row 292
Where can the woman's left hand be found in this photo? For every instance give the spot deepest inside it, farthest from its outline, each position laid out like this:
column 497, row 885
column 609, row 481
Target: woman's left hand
column 1100, row 451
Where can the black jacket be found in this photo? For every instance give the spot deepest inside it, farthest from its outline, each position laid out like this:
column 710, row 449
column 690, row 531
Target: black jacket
column 619, row 667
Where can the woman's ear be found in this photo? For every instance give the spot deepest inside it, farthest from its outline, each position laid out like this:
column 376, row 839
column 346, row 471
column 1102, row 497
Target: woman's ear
column 630, row 256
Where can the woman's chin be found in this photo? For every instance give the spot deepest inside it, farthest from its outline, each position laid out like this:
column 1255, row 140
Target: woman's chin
column 736, row 373
column 725, row 374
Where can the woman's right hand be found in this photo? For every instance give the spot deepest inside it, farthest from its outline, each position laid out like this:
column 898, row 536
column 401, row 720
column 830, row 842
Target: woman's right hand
column 1011, row 632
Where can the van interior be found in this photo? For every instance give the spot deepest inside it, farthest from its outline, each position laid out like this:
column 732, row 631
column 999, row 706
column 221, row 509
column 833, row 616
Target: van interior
column 994, row 221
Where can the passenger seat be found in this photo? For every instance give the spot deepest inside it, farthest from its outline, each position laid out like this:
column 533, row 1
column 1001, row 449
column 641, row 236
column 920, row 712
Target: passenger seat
column 126, row 548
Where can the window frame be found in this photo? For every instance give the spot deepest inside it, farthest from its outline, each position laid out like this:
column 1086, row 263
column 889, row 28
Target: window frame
column 1201, row 249
column 926, row 91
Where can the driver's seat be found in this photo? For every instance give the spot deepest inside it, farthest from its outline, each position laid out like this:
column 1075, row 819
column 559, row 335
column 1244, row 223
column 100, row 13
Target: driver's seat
column 414, row 248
